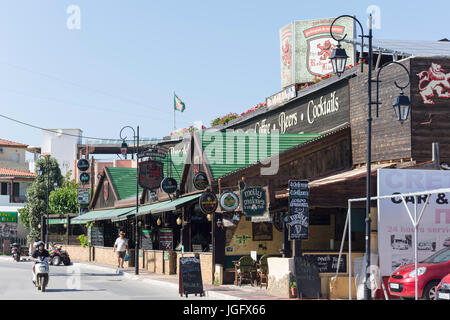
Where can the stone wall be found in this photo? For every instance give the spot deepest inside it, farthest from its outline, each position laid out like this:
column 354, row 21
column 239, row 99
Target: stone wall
column 205, row 264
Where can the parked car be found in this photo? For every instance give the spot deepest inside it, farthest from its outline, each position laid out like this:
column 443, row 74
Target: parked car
column 443, row 288
column 429, row 272
column 400, row 245
column 446, row 242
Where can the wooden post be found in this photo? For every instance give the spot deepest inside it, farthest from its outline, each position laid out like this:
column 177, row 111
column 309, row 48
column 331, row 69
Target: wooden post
column 68, row 229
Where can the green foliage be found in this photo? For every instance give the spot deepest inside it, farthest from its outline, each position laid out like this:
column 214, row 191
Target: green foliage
column 83, row 240
column 36, row 206
column 64, row 200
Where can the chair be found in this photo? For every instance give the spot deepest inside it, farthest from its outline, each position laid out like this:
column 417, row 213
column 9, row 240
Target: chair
column 262, row 271
column 243, row 270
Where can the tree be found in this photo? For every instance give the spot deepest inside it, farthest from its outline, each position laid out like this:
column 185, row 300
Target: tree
column 64, row 200
column 36, row 205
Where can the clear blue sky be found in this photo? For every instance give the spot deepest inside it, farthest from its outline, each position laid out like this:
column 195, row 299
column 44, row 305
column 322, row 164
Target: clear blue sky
column 122, row 66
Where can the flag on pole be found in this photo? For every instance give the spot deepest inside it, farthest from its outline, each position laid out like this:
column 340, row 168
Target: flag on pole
column 178, row 104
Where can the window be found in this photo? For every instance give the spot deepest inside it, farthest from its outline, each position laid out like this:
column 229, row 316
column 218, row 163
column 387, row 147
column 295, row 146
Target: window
column 4, row 189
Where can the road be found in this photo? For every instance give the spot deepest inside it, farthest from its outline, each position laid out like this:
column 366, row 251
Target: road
column 78, row 283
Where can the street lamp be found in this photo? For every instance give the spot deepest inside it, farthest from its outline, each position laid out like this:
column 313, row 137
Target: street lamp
column 124, row 148
column 401, row 106
column 338, row 60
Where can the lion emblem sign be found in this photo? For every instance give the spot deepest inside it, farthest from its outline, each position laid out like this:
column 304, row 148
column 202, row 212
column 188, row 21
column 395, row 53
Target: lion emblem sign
column 434, row 81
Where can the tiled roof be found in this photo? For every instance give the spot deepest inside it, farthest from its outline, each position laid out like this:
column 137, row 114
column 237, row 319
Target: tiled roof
column 7, row 143
column 124, row 181
column 247, row 149
column 6, row 172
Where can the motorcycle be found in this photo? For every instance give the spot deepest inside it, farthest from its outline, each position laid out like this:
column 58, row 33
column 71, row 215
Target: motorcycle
column 15, row 250
column 57, row 255
column 42, row 272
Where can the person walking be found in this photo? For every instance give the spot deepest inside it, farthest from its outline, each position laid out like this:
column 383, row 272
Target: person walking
column 121, row 246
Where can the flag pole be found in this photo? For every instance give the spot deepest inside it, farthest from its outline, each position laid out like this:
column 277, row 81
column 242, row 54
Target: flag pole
column 174, row 113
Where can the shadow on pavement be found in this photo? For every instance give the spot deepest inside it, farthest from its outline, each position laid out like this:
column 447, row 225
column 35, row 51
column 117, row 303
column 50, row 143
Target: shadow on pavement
column 84, row 274
column 73, row 290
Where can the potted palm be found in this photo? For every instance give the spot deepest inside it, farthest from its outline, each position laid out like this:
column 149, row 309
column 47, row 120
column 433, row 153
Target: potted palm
column 293, row 290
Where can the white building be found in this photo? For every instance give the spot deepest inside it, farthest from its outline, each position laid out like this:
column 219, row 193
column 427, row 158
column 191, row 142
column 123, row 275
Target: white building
column 62, row 145
column 14, row 182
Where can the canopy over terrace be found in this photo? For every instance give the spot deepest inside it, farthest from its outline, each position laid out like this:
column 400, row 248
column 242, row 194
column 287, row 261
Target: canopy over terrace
column 97, row 215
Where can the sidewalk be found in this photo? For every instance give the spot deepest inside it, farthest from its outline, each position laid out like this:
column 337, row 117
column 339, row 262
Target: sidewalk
column 226, row 292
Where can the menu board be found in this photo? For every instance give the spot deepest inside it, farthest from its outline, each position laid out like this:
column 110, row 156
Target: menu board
column 190, row 276
column 97, row 238
column 165, row 239
column 307, row 276
column 146, row 241
column 298, row 219
column 327, row 263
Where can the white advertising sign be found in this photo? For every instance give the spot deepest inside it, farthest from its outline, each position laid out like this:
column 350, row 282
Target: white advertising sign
column 395, row 228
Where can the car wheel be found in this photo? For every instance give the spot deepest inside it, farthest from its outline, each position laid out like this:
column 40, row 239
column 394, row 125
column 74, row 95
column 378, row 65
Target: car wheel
column 429, row 292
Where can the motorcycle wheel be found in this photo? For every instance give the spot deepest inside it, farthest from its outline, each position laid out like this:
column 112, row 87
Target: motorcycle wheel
column 56, row 261
column 66, row 261
column 17, row 258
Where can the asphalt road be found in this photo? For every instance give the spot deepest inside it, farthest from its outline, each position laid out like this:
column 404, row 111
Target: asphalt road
column 76, row 283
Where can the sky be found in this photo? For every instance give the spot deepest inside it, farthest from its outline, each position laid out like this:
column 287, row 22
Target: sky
column 122, row 66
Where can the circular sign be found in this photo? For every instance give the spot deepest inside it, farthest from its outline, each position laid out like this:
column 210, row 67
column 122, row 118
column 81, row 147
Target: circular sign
column 229, row 201
column 83, row 164
column 200, row 181
column 84, row 178
column 169, row 185
column 208, row 202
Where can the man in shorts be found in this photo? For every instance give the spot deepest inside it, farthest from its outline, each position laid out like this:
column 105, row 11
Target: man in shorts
column 121, row 246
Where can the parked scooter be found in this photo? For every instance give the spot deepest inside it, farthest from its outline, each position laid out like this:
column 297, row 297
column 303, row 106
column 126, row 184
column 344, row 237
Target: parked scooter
column 57, row 255
column 15, row 250
column 42, row 273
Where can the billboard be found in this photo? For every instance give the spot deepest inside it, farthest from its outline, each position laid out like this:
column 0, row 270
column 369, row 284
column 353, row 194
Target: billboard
column 305, row 48
column 395, row 229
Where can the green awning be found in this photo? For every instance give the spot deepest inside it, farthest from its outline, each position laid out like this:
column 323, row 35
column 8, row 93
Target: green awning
column 168, row 205
column 107, row 214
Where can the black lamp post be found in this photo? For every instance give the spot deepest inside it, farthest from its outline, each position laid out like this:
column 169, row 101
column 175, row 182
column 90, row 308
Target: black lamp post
column 401, row 106
column 124, row 148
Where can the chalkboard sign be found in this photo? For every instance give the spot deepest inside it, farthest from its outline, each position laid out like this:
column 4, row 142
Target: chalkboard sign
column 307, row 276
column 298, row 219
column 146, row 242
column 165, row 239
column 97, row 238
column 327, row 263
column 190, row 276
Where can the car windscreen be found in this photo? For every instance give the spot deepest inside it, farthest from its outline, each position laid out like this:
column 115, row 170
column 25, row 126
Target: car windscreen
column 439, row 257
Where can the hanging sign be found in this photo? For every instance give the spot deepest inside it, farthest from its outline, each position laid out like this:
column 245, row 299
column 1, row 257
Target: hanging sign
column 84, row 178
column 254, row 202
column 229, row 201
column 83, row 164
column 150, row 174
column 169, row 185
column 200, row 181
column 298, row 219
column 83, row 195
column 208, row 202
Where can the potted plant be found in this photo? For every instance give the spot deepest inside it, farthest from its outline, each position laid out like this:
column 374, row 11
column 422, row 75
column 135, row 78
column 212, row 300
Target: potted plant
column 293, row 290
